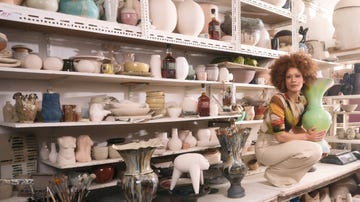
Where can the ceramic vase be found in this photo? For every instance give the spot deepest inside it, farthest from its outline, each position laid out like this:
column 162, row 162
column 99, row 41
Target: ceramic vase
column 25, row 107
column 9, row 114
column 190, row 18
column 155, row 66
column 49, row 5
column 111, row 10
column 51, row 109
column 315, row 114
column 53, row 153
column 139, row 183
column 182, row 68
column 84, row 8
column 163, row 15
column 174, row 144
column 346, row 33
column 44, row 151
column 189, row 141
column 232, row 139
column 128, row 14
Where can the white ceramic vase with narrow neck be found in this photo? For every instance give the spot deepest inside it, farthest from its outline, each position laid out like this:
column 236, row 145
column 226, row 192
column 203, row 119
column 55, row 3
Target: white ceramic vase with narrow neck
column 174, row 144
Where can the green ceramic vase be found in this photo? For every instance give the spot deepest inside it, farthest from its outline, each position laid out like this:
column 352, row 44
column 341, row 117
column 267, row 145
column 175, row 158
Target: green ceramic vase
column 315, row 114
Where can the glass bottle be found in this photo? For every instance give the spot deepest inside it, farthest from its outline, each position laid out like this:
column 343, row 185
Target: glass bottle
column 214, row 26
column 168, row 69
column 203, row 107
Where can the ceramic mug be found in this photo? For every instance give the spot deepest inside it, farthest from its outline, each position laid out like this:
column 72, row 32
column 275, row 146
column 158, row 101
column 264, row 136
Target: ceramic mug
column 107, row 68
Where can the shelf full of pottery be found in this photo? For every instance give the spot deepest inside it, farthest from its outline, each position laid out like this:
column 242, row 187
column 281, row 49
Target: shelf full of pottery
column 124, row 23
column 342, row 106
column 86, row 153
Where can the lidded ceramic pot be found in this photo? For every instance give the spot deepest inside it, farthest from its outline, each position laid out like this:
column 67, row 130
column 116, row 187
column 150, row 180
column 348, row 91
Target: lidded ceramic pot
column 346, row 34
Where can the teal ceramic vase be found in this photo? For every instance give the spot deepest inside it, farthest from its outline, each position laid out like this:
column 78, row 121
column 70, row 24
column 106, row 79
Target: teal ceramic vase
column 315, row 114
column 232, row 139
column 84, row 8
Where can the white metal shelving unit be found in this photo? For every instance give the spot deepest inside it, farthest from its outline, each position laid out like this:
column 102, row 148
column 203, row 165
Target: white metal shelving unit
column 25, row 18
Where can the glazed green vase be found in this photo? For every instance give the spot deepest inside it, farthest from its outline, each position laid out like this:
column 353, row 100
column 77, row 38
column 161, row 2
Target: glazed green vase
column 315, row 114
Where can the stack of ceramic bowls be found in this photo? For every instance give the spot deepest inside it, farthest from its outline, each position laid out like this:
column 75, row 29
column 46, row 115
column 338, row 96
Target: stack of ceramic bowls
column 156, row 101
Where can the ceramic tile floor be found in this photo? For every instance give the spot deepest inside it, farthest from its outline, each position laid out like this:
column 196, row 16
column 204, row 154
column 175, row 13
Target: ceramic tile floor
column 257, row 189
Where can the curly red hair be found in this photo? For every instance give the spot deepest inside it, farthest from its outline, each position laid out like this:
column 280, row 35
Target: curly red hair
column 300, row 60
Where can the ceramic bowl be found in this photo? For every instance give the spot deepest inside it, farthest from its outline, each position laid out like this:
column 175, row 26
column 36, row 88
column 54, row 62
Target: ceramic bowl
column 174, row 112
column 348, row 107
column 100, row 152
column 242, row 75
column 87, row 65
column 104, row 173
column 136, row 67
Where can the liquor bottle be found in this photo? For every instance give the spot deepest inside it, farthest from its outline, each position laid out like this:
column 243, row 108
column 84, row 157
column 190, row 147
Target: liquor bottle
column 203, row 107
column 168, row 69
column 214, row 27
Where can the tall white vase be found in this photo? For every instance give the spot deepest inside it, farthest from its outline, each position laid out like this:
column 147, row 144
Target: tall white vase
column 155, row 66
column 191, row 18
column 163, row 15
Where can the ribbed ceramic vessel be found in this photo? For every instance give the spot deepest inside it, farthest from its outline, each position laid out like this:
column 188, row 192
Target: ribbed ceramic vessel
column 315, row 114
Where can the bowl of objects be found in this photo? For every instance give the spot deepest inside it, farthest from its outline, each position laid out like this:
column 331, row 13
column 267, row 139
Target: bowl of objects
column 241, row 75
column 348, row 107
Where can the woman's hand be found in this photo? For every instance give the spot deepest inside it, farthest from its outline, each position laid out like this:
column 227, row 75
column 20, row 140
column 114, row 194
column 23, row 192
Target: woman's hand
column 314, row 135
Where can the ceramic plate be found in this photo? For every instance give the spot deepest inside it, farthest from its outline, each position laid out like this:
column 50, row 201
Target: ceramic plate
column 147, row 74
column 91, row 57
column 129, row 112
column 236, row 65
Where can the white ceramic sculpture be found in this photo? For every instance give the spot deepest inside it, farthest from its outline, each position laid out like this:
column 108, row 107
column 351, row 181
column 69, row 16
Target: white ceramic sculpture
column 192, row 163
column 66, row 155
column 203, row 136
column 97, row 112
column 189, row 141
column 182, row 68
column 83, row 148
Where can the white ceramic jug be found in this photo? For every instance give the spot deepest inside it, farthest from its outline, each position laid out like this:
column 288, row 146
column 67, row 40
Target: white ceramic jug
column 224, row 74
column 155, row 66
column 182, row 68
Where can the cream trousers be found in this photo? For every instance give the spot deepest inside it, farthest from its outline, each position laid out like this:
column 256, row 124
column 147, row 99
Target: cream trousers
column 287, row 162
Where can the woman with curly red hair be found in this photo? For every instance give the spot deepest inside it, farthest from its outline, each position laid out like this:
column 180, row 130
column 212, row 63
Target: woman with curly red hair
column 284, row 146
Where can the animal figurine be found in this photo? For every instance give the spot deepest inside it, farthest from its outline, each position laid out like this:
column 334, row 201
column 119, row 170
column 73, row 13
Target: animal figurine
column 192, row 163
column 83, row 148
column 66, row 155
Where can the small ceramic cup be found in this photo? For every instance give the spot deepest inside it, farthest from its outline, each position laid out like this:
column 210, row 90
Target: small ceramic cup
column 100, row 152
